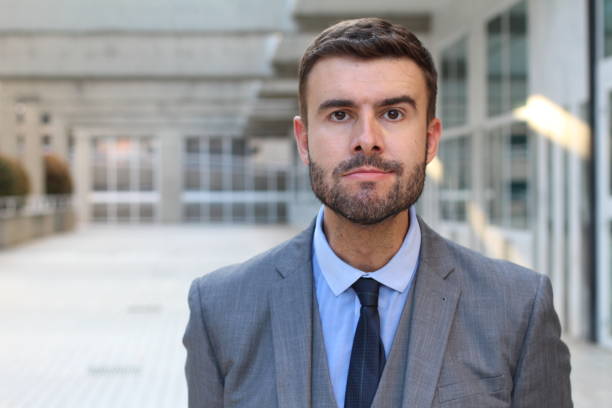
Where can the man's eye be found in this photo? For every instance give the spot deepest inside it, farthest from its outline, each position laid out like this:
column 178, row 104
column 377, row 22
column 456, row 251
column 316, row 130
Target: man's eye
column 339, row 116
column 393, row 114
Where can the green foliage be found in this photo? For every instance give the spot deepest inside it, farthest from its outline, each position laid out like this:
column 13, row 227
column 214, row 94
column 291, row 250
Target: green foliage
column 14, row 180
column 57, row 176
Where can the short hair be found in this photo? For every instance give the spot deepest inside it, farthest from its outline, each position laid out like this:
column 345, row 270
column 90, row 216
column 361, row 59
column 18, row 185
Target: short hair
column 368, row 38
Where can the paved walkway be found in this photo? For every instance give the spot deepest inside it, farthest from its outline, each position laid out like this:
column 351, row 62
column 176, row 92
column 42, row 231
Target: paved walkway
column 95, row 318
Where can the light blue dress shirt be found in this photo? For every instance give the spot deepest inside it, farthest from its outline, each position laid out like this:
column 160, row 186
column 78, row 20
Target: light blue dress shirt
column 339, row 306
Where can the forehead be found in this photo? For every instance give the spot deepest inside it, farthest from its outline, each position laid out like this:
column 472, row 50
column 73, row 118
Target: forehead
column 364, row 80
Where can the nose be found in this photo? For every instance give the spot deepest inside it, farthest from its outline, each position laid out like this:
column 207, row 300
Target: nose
column 367, row 137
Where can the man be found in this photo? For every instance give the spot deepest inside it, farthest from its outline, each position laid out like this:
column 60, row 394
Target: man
column 369, row 306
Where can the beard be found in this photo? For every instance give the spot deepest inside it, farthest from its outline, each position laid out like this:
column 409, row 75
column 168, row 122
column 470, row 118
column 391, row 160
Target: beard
column 366, row 207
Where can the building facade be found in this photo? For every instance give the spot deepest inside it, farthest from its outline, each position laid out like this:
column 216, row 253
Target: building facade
column 519, row 172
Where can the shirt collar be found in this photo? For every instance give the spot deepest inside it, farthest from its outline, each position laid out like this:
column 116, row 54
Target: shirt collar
column 395, row 274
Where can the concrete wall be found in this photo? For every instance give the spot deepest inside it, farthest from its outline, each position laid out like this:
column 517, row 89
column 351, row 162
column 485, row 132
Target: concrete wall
column 23, row 228
column 139, row 15
column 207, row 106
column 134, row 55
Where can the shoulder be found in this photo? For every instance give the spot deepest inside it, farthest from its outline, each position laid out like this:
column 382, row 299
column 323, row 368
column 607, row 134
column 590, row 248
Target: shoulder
column 481, row 276
column 251, row 277
column 476, row 266
column 496, row 296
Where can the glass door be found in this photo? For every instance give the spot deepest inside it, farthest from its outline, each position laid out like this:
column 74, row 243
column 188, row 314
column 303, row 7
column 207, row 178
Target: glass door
column 124, row 184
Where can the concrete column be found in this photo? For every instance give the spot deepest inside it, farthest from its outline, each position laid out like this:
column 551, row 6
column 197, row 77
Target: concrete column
column 477, row 100
column 170, row 175
column 59, row 137
column 32, row 149
column 8, row 137
column 81, row 171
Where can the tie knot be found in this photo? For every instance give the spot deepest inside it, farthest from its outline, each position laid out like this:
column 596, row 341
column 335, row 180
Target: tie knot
column 367, row 291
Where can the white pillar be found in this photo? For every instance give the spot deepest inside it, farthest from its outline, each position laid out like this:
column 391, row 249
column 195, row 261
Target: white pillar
column 170, row 176
column 81, row 172
column 8, row 137
column 32, row 148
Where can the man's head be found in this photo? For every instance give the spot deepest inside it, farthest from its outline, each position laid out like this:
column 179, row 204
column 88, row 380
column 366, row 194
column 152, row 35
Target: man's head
column 367, row 39
column 367, row 130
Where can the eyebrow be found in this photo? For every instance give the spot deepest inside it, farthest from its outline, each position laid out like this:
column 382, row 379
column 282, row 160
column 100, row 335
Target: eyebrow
column 397, row 100
column 336, row 103
column 347, row 103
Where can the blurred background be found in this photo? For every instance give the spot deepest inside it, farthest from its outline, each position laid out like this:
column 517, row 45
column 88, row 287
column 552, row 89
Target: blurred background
column 138, row 139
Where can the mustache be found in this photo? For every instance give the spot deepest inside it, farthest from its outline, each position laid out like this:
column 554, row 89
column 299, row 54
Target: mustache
column 361, row 160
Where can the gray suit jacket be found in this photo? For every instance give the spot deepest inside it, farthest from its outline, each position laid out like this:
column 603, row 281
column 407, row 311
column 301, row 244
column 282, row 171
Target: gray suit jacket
column 475, row 332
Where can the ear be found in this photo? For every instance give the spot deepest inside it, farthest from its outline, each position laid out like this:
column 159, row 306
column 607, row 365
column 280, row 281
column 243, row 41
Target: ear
column 300, row 133
column 434, row 132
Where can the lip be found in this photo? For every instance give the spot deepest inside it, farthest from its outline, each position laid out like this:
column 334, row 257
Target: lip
column 370, row 173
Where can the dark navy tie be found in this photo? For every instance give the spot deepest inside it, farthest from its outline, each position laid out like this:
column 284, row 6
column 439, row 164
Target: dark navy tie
column 368, row 355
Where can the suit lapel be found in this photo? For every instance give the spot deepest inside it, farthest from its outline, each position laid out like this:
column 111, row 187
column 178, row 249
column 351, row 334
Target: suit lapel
column 322, row 388
column 435, row 302
column 291, row 316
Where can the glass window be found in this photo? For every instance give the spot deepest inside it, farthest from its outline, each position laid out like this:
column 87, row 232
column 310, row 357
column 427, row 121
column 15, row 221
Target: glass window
column 281, row 212
column 607, row 6
column 261, row 212
column 494, row 170
column 455, row 188
column 519, row 175
column 216, row 212
column 238, row 176
column 221, row 164
column 518, row 54
column 45, row 118
column 238, row 147
column 192, row 178
column 281, row 180
column 46, row 143
column 192, row 145
column 215, row 174
column 147, row 212
column 124, row 212
column 99, row 212
column 494, row 66
column 454, row 84
column 215, row 145
column 239, row 212
column 261, row 179
column 146, row 178
column 508, row 172
column 124, row 176
column 507, row 60
column 20, row 145
column 610, row 273
column 192, row 212
column 610, row 142
column 145, row 165
column 100, row 180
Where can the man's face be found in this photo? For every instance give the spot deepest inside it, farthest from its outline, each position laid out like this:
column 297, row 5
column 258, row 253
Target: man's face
column 368, row 141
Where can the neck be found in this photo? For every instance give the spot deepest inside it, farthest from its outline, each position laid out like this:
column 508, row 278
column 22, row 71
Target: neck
column 365, row 247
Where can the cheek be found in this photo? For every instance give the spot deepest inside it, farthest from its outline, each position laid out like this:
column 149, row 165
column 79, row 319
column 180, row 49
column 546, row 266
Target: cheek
column 407, row 149
column 326, row 147
column 416, row 142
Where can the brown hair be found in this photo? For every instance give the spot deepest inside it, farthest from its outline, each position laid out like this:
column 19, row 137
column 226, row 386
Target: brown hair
column 368, row 38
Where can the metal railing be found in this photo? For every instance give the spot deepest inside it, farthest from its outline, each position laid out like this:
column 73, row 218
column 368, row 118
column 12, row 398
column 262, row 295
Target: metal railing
column 15, row 206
